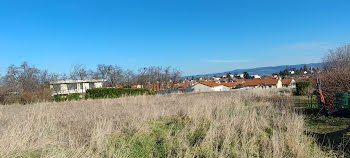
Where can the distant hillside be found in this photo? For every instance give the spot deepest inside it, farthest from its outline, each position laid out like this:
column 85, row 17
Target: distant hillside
column 261, row 70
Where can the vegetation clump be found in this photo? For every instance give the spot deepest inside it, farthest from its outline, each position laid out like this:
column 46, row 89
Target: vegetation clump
column 95, row 93
column 304, row 87
column 67, row 97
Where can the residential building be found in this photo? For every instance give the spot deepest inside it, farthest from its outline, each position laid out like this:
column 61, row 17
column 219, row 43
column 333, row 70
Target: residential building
column 74, row 86
column 255, row 76
column 231, row 84
column 239, row 75
column 224, row 76
column 216, row 78
column 208, row 86
column 262, row 83
column 288, row 83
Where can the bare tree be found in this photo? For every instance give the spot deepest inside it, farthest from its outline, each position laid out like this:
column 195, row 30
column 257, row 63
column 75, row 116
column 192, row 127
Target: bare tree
column 129, row 78
column 103, row 71
column 113, row 74
column 29, row 77
column 336, row 74
column 142, row 76
column 79, row 72
column 21, row 80
column 175, row 77
column 162, row 76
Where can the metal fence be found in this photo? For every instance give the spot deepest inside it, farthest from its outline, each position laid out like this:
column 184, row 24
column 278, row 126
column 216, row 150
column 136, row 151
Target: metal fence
column 306, row 101
column 168, row 91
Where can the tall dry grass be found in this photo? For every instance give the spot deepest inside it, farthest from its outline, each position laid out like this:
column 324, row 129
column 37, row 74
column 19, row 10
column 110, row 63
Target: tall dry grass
column 256, row 123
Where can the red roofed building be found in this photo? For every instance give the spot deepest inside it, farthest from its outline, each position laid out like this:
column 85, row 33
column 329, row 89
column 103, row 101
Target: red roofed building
column 210, row 83
column 246, row 83
column 288, row 83
column 208, row 86
column 262, row 83
column 230, row 84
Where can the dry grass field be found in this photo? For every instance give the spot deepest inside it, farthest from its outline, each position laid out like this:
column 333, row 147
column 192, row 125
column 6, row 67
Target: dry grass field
column 256, row 123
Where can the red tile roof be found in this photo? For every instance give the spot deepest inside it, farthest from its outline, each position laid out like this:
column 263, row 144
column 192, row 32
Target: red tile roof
column 266, row 81
column 286, row 81
column 240, row 80
column 246, row 82
column 230, row 84
column 210, row 83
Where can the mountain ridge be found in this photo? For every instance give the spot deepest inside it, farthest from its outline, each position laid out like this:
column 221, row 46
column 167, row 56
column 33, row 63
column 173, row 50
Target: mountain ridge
column 268, row 70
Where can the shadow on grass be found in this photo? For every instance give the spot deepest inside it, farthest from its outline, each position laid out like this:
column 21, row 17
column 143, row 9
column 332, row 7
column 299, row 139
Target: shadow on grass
column 331, row 132
column 338, row 141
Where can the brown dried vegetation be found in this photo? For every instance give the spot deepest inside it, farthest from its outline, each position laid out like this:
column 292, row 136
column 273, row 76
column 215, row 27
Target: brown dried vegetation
column 254, row 123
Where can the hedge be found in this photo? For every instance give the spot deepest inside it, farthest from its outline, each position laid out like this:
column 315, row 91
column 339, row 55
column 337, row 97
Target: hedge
column 65, row 97
column 116, row 92
column 304, row 87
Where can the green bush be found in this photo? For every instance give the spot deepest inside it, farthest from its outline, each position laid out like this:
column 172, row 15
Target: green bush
column 60, row 97
column 116, row 92
column 239, row 86
column 74, row 96
column 304, row 87
column 65, row 97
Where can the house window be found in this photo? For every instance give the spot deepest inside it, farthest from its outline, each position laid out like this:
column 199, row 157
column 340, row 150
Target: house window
column 81, row 85
column 56, row 87
column 72, row 86
column 91, row 85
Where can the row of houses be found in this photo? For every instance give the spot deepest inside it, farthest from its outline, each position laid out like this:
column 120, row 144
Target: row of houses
column 216, row 78
column 245, row 84
column 80, row 86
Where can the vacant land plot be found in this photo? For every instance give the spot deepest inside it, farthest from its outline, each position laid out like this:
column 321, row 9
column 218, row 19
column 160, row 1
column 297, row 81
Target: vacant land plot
column 253, row 123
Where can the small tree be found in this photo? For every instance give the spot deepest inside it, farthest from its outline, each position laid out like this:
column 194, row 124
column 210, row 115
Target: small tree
column 246, row 75
column 304, row 87
column 305, row 68
column 229, row 78
column 239, row 86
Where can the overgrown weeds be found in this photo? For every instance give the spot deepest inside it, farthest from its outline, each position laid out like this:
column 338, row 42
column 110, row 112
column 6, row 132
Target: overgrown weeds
column 254, row 123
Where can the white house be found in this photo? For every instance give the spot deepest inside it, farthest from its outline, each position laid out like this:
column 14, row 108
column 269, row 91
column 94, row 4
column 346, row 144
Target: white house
column 255, row 76
column 74, row 86
column 239, row 76
column 216, row 78
column 262, row 83
column 208, row 86
column 224, row 76
column 288, row 83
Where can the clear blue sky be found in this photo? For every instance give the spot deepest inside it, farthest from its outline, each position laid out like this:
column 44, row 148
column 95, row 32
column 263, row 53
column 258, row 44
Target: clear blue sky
column 201, row 36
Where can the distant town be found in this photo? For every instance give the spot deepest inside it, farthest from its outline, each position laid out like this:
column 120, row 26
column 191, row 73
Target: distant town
column 284, row 79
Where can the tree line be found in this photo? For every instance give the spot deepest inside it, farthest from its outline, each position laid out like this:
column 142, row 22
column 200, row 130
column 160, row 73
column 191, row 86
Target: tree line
column 23, row 81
